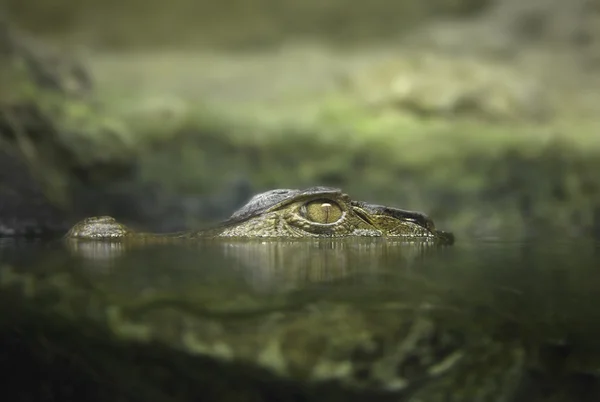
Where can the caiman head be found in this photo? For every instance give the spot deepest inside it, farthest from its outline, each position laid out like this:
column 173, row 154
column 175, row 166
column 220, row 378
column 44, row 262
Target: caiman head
column 317, row 212
column 325, row 212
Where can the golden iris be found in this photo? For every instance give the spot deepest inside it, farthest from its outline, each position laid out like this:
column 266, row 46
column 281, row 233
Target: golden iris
column 322, row 211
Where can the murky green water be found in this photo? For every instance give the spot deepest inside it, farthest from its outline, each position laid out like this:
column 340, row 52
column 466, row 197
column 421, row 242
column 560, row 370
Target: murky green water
column 507, row 321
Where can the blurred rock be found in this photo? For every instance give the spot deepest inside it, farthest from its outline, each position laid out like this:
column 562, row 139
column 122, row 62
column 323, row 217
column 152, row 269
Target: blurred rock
column 45, row 68
column 438, row 84
column 512, row 27
column 25, row 210
column 62, row 158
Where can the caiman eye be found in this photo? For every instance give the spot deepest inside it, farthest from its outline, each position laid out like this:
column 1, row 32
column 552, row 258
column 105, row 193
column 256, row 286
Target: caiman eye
column 322, row 211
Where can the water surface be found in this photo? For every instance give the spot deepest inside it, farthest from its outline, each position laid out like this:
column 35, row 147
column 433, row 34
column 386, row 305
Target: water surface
column 542, row 296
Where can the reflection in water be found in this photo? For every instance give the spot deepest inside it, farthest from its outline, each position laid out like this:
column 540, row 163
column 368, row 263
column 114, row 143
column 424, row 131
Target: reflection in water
column 287, row 264
column 97, row 251
column 544, row 286
column 275, row 265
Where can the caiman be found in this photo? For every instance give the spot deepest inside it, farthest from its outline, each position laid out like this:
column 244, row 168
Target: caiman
column 316, row 212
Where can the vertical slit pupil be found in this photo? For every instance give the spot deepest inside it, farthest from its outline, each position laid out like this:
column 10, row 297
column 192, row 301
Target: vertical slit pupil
column 327, row 208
